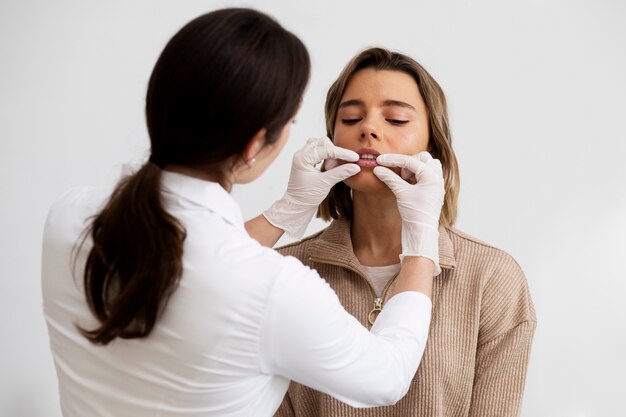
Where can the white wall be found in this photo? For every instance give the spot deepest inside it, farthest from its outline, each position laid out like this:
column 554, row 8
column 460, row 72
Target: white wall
column 537, row 98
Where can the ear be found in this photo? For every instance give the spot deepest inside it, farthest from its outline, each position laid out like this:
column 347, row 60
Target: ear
column 254, row 145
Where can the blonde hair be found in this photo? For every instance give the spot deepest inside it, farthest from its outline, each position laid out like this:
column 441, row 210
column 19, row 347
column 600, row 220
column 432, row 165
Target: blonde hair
column 338, row 203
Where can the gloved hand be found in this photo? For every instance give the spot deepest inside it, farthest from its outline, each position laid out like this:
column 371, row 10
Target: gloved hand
column 308, row 186
column 419, row 191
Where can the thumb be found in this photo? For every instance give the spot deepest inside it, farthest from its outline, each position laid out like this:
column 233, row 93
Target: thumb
column 341, row 172
column 393, row 181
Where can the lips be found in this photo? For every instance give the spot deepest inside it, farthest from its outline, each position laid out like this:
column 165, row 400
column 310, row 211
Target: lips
column 367, row 157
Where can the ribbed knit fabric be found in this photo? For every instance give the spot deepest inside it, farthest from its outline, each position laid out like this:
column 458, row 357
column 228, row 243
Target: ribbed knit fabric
column 480, row 336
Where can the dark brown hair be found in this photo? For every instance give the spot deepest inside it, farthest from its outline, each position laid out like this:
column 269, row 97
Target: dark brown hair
column 221, row 79
column 338, row 204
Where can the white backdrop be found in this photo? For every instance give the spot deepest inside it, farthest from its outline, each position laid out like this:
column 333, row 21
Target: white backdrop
column 537, row 100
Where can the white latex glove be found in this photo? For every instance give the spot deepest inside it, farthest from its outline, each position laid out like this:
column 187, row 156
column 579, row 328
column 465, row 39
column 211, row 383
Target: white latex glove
column 308, row 186
column 419, row 192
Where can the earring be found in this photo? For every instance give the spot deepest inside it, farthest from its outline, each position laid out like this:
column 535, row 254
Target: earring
column 250, row 162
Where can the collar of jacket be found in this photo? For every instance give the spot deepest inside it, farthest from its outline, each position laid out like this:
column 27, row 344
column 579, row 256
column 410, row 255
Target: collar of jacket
column 334, row 246
column 193, row 192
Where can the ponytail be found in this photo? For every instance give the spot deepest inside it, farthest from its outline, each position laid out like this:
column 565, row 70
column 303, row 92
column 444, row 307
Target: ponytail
column 219, row 66
column 136, row 260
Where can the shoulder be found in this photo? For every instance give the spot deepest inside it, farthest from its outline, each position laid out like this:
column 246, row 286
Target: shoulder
column 82, row 196
column 505, row 297
column 75, row 206
column 483, row 257
column 465, row 241
column 226, row 250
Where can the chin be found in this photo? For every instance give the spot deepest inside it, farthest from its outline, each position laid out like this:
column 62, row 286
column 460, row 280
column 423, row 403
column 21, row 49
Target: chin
column 365, row 181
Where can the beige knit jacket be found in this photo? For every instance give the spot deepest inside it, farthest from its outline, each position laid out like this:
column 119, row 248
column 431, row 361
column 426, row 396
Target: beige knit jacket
column 480, row 336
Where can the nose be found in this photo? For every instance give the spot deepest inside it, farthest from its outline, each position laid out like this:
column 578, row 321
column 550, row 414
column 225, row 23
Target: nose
column 369, row 131
column 371, row 134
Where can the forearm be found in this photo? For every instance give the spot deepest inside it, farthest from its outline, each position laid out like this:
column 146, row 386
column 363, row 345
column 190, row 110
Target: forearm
column 261, row 230
column 416, row 275
column 306, row 320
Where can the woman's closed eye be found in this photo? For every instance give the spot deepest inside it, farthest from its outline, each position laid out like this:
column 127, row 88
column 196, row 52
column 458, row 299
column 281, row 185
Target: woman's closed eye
column 397, row 122
column 353, row 121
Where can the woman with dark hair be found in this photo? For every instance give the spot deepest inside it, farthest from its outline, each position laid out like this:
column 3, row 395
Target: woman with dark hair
column 483, row 317
column 159, row 300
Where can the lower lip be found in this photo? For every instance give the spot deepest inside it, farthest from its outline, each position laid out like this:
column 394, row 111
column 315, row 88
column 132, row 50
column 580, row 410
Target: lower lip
column 367, row 163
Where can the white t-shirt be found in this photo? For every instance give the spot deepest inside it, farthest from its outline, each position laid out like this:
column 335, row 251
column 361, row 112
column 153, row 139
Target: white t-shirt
column 243, row 321
column 379, row 276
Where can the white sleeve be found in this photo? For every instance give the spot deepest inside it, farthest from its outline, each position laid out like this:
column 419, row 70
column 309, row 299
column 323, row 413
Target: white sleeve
column 307, row 336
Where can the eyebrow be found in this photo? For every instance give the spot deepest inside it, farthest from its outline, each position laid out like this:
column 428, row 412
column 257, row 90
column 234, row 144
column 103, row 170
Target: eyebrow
column 386, row 103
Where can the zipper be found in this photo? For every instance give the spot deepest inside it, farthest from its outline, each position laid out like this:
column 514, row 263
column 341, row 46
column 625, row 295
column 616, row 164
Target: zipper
column 378, row 307
column 378, row 301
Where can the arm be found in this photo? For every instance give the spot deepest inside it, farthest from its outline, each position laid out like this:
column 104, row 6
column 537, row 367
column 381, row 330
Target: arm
column 419, row 194
column 416, row 275
column 263, row 231
column 507, row 324
column 307, row 188
column 308, row 337
column 500, row 373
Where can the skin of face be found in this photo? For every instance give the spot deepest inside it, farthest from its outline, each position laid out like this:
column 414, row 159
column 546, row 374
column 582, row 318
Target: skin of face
column 383, row 111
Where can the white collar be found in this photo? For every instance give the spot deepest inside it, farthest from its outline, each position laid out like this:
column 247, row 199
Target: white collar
column 210, row 195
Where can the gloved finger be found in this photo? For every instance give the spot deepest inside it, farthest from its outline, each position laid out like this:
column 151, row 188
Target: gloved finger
column 424, row 156
column 393, row 180
column 326, row 149
column 308, row 154
column 335, row 152
column 340, row 173
column 319, row 149
column 409, row 175
column 410, row 162
column 314, row 141
column 433, row 164
column 436, row 164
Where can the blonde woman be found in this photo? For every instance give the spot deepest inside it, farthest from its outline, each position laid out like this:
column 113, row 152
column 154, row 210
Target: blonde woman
column 483, row 318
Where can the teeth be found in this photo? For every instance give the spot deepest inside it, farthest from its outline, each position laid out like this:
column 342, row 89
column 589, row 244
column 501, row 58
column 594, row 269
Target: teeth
column 368, row 156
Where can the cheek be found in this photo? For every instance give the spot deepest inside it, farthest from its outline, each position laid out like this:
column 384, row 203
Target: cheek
column 338, row 138
column 412, row 144
column 343, row 136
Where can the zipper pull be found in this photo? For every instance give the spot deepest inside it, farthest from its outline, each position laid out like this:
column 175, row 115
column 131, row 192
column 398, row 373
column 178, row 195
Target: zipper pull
column 378, row 307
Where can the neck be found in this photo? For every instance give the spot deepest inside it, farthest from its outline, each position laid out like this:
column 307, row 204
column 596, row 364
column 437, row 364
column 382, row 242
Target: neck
column 225, row 182
column 376, row 228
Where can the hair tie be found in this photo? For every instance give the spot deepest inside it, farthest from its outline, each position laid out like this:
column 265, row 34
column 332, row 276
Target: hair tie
column 156, row 161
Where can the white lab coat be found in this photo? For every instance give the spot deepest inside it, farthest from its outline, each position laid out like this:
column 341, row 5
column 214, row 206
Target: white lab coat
column 243, row 321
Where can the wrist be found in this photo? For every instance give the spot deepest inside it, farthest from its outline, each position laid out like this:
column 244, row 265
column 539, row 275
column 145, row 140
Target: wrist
column 411, row 262
column 290, row 216
column 416, row 275
column 263, row 231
